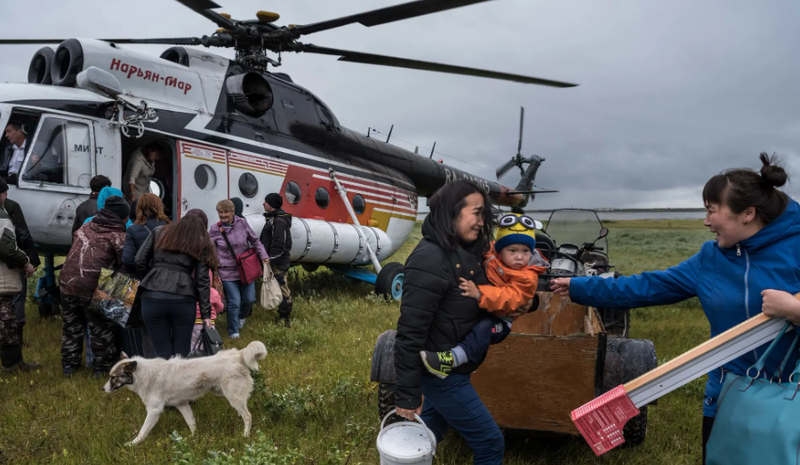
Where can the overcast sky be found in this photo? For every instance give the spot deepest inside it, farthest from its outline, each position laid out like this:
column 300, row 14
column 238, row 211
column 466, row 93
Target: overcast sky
column 670, row 92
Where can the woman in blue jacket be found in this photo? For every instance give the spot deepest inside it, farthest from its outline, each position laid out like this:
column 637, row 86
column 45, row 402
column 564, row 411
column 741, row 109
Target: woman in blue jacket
column 754, row 264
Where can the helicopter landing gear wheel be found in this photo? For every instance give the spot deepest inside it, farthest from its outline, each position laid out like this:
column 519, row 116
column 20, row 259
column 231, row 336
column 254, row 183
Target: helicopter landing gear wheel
column 310, row 268
column 390, row 281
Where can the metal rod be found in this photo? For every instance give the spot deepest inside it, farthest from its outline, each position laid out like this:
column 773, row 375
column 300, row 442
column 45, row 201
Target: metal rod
column 343, row 194
column 432, row 149
column 390, row 134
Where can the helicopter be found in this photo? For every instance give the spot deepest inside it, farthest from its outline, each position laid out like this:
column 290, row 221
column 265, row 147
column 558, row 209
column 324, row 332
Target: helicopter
column 234, row 129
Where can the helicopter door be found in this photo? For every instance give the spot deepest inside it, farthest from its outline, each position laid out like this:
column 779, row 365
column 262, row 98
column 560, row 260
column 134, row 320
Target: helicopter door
column 61, row 157
column 203, row 175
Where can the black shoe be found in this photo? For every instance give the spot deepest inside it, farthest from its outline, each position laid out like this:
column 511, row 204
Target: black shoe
column 69, row 371
column 283, row 321
column 439, row 364
column 21, row 366
column 11, row 357
column 99, row 374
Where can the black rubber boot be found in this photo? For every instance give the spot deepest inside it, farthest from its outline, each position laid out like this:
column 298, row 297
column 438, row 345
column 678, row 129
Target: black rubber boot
column 9, row 357
column 19, row 331
column 12, row 359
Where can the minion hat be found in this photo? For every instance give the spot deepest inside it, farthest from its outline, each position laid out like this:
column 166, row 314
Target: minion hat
column 515, row 229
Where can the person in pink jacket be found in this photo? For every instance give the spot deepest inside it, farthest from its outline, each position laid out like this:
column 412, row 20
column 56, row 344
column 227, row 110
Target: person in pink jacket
column 240, row 296
column 216, row 308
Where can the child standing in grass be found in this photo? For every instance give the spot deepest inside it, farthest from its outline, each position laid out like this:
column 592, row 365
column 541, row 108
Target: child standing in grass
column 513, row 268
column 216, row 307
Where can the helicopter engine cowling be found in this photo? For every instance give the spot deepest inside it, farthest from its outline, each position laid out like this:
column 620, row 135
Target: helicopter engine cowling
column 67, row 63
column 250, row 93
column 41, row 63
column 141, row 75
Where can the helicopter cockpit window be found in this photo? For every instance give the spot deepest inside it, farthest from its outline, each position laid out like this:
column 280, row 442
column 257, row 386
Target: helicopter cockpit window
column 326, row 117
column 61, row 154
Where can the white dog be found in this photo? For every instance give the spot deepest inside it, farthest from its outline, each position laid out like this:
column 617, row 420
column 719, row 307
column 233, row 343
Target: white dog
column 178, row 381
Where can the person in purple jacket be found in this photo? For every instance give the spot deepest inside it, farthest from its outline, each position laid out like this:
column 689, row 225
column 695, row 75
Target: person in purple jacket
column 240, row 296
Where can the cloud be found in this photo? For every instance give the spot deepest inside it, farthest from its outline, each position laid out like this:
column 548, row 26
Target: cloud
column 670, row 93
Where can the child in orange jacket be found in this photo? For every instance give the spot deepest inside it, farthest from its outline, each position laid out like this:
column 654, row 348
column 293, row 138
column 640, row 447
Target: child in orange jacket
column 512, row 268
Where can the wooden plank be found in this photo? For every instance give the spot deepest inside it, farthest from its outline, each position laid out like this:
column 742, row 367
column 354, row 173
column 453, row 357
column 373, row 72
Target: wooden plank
column 698, row 351
column 534, row 382
column 557, row 316
column 597, row 324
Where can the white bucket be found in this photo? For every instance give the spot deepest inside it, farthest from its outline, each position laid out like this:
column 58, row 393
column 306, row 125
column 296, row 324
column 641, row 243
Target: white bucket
column 406, row 442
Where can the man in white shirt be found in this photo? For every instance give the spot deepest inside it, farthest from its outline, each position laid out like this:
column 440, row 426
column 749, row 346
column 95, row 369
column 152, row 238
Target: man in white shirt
column 15, row 153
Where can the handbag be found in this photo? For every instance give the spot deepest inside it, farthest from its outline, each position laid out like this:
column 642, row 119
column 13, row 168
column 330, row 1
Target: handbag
column 208, row 344
column 114, row 296
column 247, row 263
column 271, row 295
column 756, row 418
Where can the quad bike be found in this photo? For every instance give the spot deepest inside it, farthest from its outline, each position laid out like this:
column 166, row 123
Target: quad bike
column 559, row 243
column 556, row 358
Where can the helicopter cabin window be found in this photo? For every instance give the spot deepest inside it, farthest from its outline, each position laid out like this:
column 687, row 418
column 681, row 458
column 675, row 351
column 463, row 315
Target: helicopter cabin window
column 248, row 185
column 292, row 193
column 61, row 154
column 205, row 177
column 359, row 204
column 322, row 198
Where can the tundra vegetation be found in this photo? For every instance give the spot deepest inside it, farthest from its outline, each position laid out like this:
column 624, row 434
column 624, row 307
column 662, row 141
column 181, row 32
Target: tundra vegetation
column 313, row 402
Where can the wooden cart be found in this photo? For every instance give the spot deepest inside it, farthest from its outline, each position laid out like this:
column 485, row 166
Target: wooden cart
column 552, row 362
column 555, row 360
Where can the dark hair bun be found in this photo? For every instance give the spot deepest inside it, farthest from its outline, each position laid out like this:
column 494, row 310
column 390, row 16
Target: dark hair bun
column 772, row 174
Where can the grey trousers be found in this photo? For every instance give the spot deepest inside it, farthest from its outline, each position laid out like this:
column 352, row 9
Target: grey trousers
column 19, row 300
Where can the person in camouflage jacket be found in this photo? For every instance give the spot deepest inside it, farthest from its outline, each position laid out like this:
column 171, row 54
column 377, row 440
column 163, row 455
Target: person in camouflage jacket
column 96, row 245
column 12, row 259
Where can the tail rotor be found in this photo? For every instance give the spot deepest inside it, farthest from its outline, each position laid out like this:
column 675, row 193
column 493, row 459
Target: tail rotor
column 525, row 185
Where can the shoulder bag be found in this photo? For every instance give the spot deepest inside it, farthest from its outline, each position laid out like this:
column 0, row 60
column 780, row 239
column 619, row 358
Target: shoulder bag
column 208, row 344
column 247, row 262
column 271, row 295
column 756, row 418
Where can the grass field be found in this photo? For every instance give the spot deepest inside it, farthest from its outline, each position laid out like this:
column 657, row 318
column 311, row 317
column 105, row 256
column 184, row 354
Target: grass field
column 313, row 402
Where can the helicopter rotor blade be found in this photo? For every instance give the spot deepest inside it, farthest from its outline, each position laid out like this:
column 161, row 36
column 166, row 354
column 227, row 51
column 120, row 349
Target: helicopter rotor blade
column 386, row 15
column 543, row 191
column 382, row 60
column 169, row 41
column 204, row 7
column 521, row 122
column 507, row 166
column 30, row 41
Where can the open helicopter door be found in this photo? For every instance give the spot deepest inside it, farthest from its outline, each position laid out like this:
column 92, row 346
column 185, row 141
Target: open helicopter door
column 203, row 177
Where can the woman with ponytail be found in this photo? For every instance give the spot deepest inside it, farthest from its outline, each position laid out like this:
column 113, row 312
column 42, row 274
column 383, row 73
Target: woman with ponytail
column 752, row 266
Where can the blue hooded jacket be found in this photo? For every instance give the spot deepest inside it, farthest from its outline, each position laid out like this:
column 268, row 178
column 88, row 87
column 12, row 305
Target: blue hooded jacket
column 728, row 283
column 105, row 193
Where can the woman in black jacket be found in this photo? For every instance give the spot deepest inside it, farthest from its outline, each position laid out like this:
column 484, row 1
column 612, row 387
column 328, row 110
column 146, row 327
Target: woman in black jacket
column 175, row 260
column 149, row 214
column 434, row 316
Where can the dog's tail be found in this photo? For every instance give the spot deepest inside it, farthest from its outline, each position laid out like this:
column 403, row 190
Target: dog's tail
column 254, row 352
